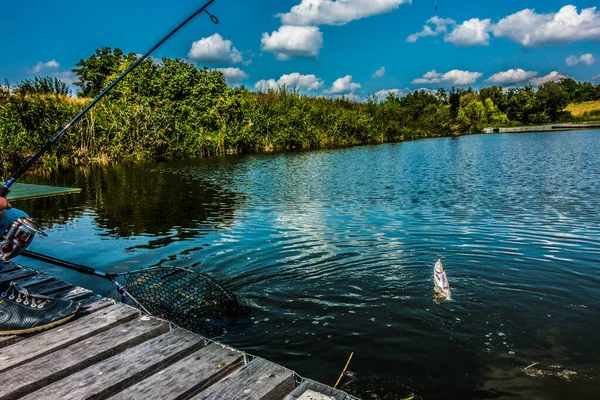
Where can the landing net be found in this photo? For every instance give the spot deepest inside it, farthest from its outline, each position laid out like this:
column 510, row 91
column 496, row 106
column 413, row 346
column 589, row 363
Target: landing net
column 190, row 299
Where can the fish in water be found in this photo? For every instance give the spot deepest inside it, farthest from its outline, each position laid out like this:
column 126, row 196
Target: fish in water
column 441, row 286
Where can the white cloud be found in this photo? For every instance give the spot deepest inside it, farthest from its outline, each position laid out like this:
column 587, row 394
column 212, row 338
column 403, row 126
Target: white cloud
column 473, row 32
column 214, row 49
column 427, row 31
column 596, row 77
column 340, row 12
column 343, row 86
column 383, row 94
column 379, row 73
column 441, row 26
column 293, row 41
column 39, row 67
column 454, row 77
column 526, row 27
column 265, row 84
column 553, row 76
column 587, row 59
column 233, row 75
column 535, row 30
column 572, row 60
column 511, row 76
column 293, row 80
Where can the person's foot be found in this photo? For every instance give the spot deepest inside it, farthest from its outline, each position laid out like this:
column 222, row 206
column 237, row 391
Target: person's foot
column 23, row 312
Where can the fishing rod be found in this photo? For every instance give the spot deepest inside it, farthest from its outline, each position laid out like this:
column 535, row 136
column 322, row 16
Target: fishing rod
column 181, row 295
column 5, row 188
column 84, row 269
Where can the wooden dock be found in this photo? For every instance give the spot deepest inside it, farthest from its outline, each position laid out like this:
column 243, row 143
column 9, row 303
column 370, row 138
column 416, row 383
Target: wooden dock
column 110, row 350
column 544, row 128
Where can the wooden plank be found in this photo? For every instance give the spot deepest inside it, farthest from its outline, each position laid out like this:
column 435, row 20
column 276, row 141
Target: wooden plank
column 96, row 305
column 49, row 288
column 29, row 281
column 258, row 380
column 187, row 377
column 116, row 373
column 20, row 191
column 8, row 266
column 94, row 299
column 8, row 340
column 17, row 274
column 75, row 293
column 72, row 332
column 308, row 385
column 45, row 370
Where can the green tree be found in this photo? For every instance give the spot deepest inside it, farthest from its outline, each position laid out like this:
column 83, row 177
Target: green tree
column 454, row 100
column 521, row 104
column 551, row 99
column 494, row 115
column 476, row 113
column 94, row 71
column 496, row 94
column 442, row 96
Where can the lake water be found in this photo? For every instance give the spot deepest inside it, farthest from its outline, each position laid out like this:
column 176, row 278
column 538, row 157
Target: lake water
column 334, row 250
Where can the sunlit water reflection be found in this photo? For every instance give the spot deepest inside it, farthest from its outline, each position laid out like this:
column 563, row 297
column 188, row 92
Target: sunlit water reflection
column 334, row 250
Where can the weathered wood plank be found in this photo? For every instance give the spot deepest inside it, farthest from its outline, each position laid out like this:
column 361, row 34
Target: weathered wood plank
column 17, row 274
column 258, row 380
column 32, row 280
column 79, row 329
column 116, row 373
column 75, row 293
column 8, row 340
column 8, row 266
column 43, row 371
column 95, row 305
column 187, row 377
column 49, row 288
column 94, row 299
column 308, row 385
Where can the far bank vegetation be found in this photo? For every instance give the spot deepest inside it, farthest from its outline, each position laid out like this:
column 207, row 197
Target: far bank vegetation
column 171, row 109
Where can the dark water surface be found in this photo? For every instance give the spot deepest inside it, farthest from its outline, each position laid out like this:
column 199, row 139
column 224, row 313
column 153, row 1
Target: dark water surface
column 335, row 250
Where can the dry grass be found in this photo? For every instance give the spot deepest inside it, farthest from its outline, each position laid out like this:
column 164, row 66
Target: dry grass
column 577, row 109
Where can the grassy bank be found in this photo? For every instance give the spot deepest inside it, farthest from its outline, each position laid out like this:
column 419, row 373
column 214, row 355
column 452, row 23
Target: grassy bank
column 587, row 110
column 172, row 109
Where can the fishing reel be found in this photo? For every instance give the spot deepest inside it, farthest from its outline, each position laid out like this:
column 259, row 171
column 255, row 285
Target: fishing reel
column 18, row 236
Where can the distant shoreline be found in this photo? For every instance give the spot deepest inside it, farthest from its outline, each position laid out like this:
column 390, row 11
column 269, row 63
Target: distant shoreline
column 543, row 128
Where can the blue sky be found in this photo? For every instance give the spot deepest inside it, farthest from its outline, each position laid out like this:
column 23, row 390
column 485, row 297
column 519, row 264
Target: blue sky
column 321, row 46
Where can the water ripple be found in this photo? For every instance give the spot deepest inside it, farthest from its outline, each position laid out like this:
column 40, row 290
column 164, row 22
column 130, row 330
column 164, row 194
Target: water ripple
column 334, row 249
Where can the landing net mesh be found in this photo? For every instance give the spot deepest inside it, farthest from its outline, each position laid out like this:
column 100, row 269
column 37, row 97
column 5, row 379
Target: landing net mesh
column 190, row 299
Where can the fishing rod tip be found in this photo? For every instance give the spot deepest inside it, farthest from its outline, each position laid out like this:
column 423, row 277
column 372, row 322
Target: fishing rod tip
column 213, row 17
